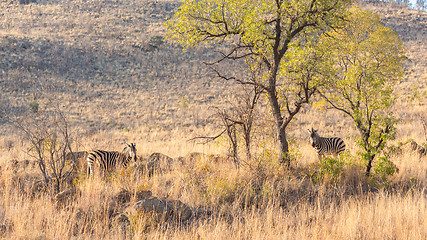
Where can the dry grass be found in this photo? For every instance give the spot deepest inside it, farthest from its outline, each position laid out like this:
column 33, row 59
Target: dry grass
column 288, row 205
column 380, row 217
column 94, row 59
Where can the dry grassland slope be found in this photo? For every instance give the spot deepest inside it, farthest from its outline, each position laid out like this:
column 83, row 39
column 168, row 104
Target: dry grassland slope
column 108, row 67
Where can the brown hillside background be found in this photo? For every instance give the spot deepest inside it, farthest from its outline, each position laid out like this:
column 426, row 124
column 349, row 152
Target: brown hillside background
column 106, row 63
column 108, row 67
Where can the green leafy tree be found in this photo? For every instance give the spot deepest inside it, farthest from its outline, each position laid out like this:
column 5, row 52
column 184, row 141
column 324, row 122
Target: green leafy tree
column 266, row 34
column 365, row 61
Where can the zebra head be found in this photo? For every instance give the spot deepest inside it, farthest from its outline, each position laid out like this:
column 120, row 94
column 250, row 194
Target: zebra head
column 130, row 151
column 314, row 137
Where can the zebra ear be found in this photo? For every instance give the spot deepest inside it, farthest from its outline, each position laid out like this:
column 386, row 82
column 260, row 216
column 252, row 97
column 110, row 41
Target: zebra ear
column 308, row 130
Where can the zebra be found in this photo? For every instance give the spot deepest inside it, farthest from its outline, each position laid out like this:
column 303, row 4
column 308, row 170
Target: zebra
column 325, row 146
column 107, row 161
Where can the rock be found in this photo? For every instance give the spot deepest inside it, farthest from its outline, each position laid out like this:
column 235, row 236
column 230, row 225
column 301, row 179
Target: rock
column 181, row 211
column 69, row 177
column 123, row 196
column 410, row 146
column 12, row 165
column 159, row 163
column 141, row 195
column 16, row 166
column 161, row 209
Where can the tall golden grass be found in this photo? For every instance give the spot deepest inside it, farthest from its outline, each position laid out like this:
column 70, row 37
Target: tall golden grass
column 88, row 59
column 288, row 205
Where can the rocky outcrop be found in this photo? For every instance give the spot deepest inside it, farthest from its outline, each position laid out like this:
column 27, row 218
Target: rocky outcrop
column 161, row 209
column 158, row 163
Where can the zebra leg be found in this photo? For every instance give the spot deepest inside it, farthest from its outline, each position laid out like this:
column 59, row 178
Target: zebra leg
column 89, row 169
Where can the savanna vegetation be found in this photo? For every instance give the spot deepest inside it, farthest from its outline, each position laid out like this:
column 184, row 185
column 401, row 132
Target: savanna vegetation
column 218, row 97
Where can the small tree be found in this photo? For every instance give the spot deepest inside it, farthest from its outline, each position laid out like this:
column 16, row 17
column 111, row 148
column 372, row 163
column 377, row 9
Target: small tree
column 264, row 33
column 239, row 120
column 366, row 60
column 49, row 136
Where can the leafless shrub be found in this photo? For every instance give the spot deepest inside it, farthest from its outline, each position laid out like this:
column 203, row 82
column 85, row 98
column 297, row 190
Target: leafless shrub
column 49, row 136
column 238, row 120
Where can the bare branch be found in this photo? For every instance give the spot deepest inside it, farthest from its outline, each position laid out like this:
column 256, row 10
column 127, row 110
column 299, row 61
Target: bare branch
column 207, row 139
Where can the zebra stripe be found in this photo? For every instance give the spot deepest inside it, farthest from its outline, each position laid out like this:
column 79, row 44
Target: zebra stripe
column 108, row 161
column 326, row 146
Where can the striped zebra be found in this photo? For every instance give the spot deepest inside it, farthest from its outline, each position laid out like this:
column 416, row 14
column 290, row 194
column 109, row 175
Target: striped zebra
column 108, row 161
column 326, row 146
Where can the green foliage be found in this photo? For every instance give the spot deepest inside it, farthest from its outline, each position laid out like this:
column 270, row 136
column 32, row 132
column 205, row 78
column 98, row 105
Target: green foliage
column 414, row 180
column 331, row 167
column 334, row 169
column 220, row 190
column 156, row 41
column 252, row 24
column 80, row 180
column 34, row 106
column 365, row 61
column 372, row 141
column 274, row 38
column 384, row 168
column 183, row 103
column 212, row 21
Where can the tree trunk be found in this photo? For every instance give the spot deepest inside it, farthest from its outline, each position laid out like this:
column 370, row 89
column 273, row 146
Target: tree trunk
column 369, row 165
column 42, row 167
column 248, row 149
column 280, row 129
column 283, row 146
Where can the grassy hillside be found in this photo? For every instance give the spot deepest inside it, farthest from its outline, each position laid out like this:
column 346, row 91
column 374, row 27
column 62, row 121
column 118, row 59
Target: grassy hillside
column 411, row 25
column 108, row 67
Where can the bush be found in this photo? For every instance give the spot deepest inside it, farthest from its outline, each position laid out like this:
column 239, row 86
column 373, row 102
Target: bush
column 34, row 106
column 385, row 168
column 332, row 168
column 156, row 41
